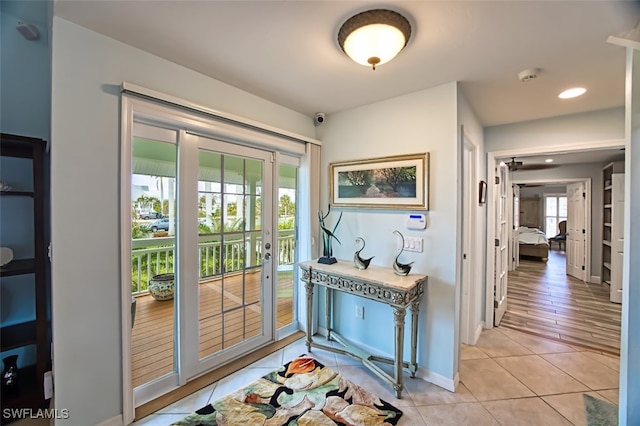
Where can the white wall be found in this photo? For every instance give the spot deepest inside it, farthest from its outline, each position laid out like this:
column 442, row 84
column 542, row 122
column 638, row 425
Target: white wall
column 568, row 130
column 477, row 255
column 87, row 71
column 539, row 191
column 424, row 121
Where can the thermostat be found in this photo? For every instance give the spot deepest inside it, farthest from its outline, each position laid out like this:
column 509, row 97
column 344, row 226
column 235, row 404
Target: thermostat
column 417, row 221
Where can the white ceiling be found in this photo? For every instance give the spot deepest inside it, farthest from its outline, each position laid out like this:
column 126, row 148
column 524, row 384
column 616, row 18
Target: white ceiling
column 286, row 51
column 573, row 157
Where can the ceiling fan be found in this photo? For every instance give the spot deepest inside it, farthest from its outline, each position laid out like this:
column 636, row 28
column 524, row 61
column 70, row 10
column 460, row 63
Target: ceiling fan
column 519, row 165
column 513, row 164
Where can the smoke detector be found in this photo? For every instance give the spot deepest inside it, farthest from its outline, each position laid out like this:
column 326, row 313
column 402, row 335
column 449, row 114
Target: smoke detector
column 528, row 74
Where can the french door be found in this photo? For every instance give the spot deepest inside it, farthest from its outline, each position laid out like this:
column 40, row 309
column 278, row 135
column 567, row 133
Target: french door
column 201, row 219
column 501, row 252
column 230, row 278
column 209, row 225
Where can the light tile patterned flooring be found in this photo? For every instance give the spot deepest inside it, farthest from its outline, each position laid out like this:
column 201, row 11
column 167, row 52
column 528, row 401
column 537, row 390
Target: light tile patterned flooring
column 545, row 301
column 508, row 378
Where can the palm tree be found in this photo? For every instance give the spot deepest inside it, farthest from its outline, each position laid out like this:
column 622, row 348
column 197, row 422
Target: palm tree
column 145, row 202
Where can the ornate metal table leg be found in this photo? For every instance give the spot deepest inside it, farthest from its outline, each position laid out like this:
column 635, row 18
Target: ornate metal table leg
column 415, row 308
column 309, row 287
column 398, row 315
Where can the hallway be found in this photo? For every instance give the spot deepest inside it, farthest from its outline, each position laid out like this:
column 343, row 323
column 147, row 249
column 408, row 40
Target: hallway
column 544, row 301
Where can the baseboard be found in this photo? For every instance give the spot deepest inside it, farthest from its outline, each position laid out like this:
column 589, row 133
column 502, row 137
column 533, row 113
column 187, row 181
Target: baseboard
column 595, row 279
column 113, row 421
column 476, row 335
column 438, row 380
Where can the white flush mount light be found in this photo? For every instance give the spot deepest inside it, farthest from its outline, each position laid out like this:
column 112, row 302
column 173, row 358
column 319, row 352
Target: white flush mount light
column 374, row 37
column 572, row 93
column 549, row 160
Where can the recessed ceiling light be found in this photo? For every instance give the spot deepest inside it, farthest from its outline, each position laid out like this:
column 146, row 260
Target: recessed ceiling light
column 549, row 160
column 572, row 93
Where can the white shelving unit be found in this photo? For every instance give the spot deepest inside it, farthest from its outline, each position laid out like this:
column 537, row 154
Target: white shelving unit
column 613, row 228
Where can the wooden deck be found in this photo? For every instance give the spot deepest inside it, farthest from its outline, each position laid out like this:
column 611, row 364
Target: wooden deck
column 224, row 305
column 543, row 300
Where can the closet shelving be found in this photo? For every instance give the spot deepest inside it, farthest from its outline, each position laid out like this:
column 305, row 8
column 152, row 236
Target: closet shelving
column 613, row 228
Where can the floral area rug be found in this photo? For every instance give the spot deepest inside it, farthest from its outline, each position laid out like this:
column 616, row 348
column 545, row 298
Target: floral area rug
column 302, row 392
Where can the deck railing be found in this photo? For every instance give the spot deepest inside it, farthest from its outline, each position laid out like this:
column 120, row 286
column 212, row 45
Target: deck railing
column 154, row 256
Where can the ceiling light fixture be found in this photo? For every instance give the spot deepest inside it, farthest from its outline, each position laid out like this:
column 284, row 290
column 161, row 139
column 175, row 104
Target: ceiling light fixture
column 374, row 37
column 549, row 160
column 572, row 93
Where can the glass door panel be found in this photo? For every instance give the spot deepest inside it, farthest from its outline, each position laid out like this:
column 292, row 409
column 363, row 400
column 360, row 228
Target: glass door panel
column 232, row 278
column 153, row 260
column 285, row 289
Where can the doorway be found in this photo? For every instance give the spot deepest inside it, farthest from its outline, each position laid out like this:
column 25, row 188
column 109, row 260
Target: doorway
column 204, row 271
column 548, row 205
column 591, row 152
column 208, row 247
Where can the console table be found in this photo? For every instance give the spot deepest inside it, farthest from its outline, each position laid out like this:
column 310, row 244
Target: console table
column 374, row 283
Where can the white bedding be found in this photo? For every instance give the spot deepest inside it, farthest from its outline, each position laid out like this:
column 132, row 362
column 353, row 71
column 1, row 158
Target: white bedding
column 532, row 236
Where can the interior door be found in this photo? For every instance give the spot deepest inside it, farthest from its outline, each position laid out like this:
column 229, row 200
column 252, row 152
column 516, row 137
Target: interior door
column 234, row 273
column 501, row 244
column 576, row 243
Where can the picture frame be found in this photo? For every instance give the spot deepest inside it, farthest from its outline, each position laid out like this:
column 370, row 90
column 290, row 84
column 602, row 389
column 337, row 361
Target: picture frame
column 482, row 192
column 398, row 182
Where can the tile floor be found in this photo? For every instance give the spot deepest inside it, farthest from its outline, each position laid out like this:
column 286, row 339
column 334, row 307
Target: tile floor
column 508, row 378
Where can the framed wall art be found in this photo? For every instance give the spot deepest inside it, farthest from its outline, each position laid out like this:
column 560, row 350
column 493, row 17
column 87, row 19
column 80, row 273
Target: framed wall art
column 397, row 182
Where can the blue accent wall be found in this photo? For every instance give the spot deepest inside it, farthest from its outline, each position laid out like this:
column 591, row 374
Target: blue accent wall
column 25, row 109
column 25, row 70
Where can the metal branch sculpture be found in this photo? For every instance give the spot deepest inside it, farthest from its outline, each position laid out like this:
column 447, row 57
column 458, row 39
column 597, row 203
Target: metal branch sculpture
column 327, row 236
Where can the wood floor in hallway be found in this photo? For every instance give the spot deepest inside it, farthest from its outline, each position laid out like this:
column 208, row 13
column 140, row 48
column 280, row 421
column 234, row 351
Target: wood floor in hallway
column 543, row 300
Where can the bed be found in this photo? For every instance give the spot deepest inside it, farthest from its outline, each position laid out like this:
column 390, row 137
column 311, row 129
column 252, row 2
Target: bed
column 533, row 243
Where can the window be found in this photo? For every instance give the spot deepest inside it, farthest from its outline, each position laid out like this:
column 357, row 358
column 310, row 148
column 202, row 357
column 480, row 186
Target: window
column 555, row 208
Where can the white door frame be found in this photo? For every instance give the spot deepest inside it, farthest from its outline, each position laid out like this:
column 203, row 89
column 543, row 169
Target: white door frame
column 491, row 160
column 469, row 261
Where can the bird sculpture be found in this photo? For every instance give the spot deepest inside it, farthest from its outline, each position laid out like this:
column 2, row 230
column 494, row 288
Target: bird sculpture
column 359, row 261
column 401, row 268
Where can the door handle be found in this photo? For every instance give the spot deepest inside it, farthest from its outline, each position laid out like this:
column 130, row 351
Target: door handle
column 267, row 256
